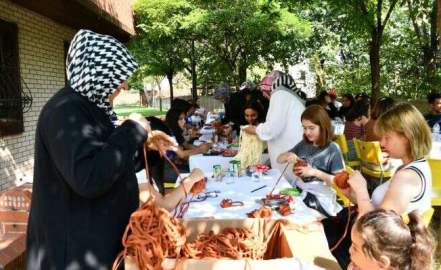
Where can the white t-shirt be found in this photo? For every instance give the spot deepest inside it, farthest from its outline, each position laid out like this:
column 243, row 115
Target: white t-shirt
column 422, row 202
column 282, row 128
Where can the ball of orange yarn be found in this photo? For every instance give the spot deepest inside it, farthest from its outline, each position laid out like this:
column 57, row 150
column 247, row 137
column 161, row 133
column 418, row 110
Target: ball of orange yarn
column 284, row 210
column 198, row 187
column 341, row 179
column 264, row 212
column 225, row 203
column 299, row 164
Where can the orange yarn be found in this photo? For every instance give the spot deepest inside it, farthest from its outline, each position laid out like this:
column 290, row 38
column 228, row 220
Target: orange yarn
column 297, row 166
column 153, row 234
column 225, row 203
column 341, row 179
column 284, row 210
column 264, row 212
column 230, row 243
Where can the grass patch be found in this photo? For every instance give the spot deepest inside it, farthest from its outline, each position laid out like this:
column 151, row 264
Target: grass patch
column 126, row 110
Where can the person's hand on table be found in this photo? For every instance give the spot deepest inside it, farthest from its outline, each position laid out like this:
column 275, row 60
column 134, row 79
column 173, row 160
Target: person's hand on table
column 249, row 129
column 138, row 118
column 227, row 131
column 307, row 171
column 204, row 147
column 159, row 141
column 195, row 176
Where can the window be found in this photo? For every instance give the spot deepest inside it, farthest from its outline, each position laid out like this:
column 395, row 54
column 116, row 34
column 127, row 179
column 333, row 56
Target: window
column 11, row 103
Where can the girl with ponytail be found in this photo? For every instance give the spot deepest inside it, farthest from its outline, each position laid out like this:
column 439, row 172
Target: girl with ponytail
column 382, row 240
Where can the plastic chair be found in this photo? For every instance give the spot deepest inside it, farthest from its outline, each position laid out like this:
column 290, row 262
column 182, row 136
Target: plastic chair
column 427, row 216
column 169, row 185
column 435, row 167
column 343, row 144
column 370, row 152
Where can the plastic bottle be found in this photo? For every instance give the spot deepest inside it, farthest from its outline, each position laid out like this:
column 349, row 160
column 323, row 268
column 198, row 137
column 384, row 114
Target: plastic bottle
column 435, row 132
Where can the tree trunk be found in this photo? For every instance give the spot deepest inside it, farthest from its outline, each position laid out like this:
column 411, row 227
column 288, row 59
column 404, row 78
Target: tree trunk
column 194, row 91
column 439, row 18
column 242, row 73
column 170, row 82
column 374, row 59
column 432, row 47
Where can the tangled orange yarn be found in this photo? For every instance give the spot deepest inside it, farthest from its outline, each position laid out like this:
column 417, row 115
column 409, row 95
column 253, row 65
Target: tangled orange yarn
column 284, row 210
column 225, row 203
column 153, row 234
column 264, row 212
column 229, row 243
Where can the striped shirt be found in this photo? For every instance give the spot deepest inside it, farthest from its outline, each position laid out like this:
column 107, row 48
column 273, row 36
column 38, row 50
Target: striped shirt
column 353, row 131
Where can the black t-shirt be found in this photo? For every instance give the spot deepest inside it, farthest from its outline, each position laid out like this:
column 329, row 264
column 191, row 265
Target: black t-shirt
column 432, row 119
column 235, row 111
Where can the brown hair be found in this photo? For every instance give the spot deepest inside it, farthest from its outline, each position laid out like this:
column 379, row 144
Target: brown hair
column 381, row 106
column 318, row 116
column 406, row 120
column 408, row 247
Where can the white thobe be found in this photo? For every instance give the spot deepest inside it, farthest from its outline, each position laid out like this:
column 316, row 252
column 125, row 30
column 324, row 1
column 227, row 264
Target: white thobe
column 282, row 128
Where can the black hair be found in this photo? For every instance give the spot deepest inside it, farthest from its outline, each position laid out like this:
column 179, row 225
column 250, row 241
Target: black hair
column 351, row 98
column 433, row 96
column 313, row 101
column 180, row 104
column 360, row 108
column 171, row 119
column 246, row 92
column 156, row 163
column 255, row 104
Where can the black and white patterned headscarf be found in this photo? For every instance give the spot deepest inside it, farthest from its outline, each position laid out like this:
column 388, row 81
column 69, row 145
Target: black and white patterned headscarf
column 288, row 82
column 96, row 66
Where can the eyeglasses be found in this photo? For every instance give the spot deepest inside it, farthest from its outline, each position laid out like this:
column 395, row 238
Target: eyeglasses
column 208, row 194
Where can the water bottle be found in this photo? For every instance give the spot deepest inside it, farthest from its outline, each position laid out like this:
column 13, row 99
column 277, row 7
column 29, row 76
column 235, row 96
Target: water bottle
column 435, row 132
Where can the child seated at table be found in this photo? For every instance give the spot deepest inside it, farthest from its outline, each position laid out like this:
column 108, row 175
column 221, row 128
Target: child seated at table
column 382, row 240
column 175, row 120
column 324, row 160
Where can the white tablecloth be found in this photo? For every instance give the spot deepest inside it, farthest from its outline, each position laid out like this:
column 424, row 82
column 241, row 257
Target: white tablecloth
column 240, row 190
column 205, row 163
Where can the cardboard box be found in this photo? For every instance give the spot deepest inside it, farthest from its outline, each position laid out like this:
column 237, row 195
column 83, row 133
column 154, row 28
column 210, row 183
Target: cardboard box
column 292, row 248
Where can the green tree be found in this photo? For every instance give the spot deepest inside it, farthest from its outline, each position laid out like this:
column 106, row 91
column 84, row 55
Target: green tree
column 423, row 14
column 243, row 33
column 159, row 45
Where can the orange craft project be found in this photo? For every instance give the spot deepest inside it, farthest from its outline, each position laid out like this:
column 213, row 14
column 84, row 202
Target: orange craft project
column 284, row 210
column 299, row 164
column 341, row 179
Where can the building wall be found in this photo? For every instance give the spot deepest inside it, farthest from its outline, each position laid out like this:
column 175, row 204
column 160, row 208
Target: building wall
column 120, row 10
column 41, row 49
